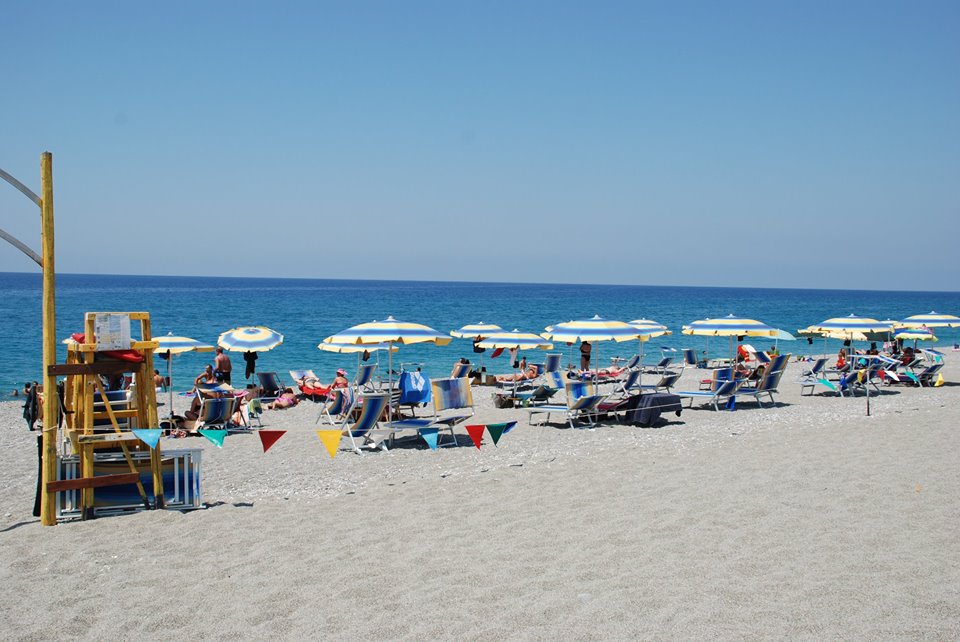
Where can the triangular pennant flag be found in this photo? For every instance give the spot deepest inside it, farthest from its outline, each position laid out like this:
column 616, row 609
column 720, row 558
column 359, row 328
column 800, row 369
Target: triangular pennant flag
column 476, row 434
column 270, row 437
column 496, row 431
column 510, row 425
column 827, row 383
column 331, row 440
column 731, row 403
column 215, row 437
column 940, row 381
column 149, row 436
column 430, row 436
column 912, row 376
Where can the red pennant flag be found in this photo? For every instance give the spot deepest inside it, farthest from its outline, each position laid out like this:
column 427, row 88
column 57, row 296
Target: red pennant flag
column 270, row 437
column 476, row 434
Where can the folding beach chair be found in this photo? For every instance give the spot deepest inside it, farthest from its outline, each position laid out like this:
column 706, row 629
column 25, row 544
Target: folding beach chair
column 460, row 369
column 813, row 376
column 270, row 386
column 725, row 390
column 766, row 386
column 666, row 382
column 363, row 382
column 582, row 402
column 690, row 359
column 337, row 406
column 371, row 410
column 552, row 362
column 452, row 404
column 216, row 411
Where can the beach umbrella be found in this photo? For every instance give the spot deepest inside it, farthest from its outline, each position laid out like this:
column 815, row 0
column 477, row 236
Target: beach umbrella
column 171, row 345
column 915, row 334
column 851, row 327
column 651, row 329
column 356, row 348
column 390, row 331
column 729, row 326
column 250, row 339
column 594, row 331
column 515, row 340
column 479, row 330
column 930, row 320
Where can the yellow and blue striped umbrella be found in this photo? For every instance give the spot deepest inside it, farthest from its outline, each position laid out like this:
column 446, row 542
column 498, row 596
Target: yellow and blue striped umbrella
column 350, row 348
column 472, row 330
column 250, row 339
column 170, row 344
column 651, row 329
column 592, row 331
column 595, row 329
column 390, row 331
column 931, row 320
column 515, row 339
column 853, row 323
column 914, row 334
column 729, row 326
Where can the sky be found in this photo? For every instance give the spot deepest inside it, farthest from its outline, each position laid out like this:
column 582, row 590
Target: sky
column 758, row 144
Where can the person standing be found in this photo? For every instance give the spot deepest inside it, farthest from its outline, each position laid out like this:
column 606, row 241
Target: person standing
column 585, row 355
column 250, row 358
column 223, row 366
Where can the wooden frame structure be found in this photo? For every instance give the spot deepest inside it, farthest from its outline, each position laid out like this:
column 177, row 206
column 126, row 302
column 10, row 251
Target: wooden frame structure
column 84, row 368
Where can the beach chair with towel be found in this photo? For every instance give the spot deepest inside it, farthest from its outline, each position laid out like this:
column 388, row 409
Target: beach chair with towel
column 814, row 376
column 582, row 402
column 452, row 404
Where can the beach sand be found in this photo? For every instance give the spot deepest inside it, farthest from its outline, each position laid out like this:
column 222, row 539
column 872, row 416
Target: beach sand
column 809, row 520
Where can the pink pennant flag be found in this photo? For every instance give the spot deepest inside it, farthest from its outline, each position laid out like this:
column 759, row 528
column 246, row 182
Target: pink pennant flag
column 270, row 437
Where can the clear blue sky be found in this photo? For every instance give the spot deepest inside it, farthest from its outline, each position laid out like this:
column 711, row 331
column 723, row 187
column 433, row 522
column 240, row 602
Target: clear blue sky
column 791, row 144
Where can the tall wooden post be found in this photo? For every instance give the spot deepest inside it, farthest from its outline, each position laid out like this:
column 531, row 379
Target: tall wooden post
column 51, row 402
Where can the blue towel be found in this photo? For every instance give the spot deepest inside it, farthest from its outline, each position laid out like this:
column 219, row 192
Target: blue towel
column 414, row 388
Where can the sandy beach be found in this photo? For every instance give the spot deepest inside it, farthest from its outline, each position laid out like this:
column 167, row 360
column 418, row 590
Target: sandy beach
column 808, row 520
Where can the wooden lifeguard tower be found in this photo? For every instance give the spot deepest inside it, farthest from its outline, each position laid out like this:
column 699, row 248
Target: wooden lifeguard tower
column 95, row 418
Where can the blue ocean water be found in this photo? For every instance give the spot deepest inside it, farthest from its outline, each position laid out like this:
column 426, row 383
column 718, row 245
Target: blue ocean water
column 307, row 310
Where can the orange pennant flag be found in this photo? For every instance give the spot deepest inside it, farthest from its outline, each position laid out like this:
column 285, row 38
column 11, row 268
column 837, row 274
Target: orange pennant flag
column 476, row 434
column 331, row 440
column 270, row 437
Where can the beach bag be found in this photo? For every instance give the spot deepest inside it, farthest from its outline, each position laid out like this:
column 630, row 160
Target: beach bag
column 501, row 401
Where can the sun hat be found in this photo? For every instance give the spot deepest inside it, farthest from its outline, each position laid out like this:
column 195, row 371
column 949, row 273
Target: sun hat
column 341, row 371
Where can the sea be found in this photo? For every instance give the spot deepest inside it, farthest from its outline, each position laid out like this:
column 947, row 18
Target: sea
column 306, row 311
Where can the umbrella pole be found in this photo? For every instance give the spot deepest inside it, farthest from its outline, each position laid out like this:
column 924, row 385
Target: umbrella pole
column 640, row 376
column 390, row 382
column 170, row 380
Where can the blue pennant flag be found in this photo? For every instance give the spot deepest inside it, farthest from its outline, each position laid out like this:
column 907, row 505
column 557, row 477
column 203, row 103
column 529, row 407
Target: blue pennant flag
column 430, row 436
column 149, row 436
column 215, row 437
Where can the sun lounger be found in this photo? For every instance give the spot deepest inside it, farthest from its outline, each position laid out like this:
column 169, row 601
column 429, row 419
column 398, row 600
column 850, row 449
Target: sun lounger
column 270, row 386
column 666, row 382
column 581, row 404
column 726, row 390
column 452, row 404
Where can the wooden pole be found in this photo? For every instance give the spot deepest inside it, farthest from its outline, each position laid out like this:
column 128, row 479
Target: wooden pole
column 51, row 402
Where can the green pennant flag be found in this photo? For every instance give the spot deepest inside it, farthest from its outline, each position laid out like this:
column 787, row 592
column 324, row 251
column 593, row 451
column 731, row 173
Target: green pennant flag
column 215, row 437
column 496, row 431
column 149, row 436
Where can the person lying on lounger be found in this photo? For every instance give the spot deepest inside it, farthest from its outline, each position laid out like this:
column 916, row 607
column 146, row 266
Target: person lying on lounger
column 525, row 375
column 286, row 400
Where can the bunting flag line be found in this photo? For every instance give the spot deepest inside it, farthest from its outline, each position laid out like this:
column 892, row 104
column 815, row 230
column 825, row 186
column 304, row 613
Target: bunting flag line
column 331, row 440
column 149, row 436
column 430, row 435
column 270, row 437
column 215, row 437
column 476, row 434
